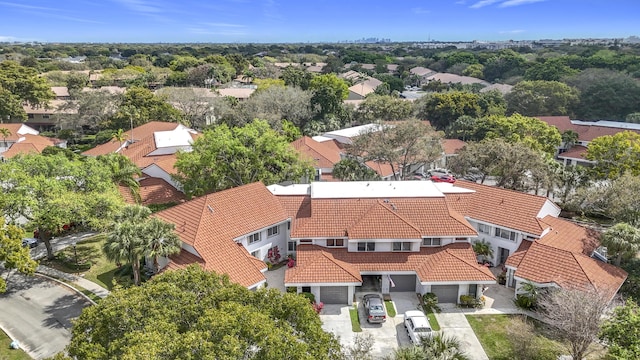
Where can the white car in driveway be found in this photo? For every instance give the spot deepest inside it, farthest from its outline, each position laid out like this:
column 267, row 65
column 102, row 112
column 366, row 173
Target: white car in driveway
column 417, row 325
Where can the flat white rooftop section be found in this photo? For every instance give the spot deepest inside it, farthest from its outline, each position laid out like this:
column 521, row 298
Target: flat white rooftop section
column 178, row 137
column 295, row 189
column 447, row 188
column 607, row 123
column 352, row 131
column 374, row 189
column 320, row 138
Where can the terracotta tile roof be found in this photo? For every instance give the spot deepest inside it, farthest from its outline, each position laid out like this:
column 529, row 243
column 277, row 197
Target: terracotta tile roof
column 16, row 131
column 140, row 133
column 585, row 132
column 568, row 236
column 211, row 223
column 323, row 154
column 167, row 163
column 373, row 218
column 576, row 152
column 451, row 146
column 547, row 264
column 153, row 191
column 383, row 169
column 508, row 208
column 23, row 148
column 455, row 262
column 515, row 258
column 182, row 260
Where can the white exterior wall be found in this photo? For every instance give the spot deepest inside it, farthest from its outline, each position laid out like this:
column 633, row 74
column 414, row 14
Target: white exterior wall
column 156, row 172
column 267, row 242
column 169, row 150
column 497, row 242
column 549, row 208
column 383, row 245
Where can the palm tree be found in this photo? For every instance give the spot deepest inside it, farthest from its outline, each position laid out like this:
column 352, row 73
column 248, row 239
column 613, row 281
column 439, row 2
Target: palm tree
column 127, row 239
column 483, row 249
column 5, row 134
column 569, row 138
column 442, row 347
column 407, row 353
column 119, row 136
column 621, row 240
column 124, row 173
column 125, row 244
column 161, row 241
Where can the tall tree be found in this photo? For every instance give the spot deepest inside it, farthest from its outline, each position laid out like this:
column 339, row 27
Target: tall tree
column 441, row 109
column 139, row 106
column 383, row 107
column 13, row 255
column 123, row 172
column 617, row 199
column 227, row 157
column 405, row 146
column 161, row 241
column 20, row 84
column 621, row 240
column 53, row 191
column 541, row 98
column 621, row 332
column 5, row 133
column 615, row 155
column 193, row 314
column 575, row 315
column 328, row 93
column 353, row 170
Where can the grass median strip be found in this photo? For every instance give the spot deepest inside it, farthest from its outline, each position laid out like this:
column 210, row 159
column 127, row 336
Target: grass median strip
column 433, row 321
column 391, row 309
column 10, row 354
column 355, row 319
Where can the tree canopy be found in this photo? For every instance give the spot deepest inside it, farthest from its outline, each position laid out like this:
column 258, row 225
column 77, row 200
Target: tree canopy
column 53, row 191
column 226, row 157
column 20, row 84
column 615, row 155
column 542, row 98
column 405, row 145
column 621, row 240
column 328, row 93
column 12, row 254
column 139, row 106
column 193, row 314
column 621, row 332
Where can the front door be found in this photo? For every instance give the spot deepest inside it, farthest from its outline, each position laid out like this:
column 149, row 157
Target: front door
column 503, row 255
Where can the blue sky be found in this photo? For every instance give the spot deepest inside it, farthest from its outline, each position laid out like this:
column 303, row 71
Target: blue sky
column 313, row 21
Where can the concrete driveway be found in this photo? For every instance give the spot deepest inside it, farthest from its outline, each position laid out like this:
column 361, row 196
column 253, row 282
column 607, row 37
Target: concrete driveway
column 453, row 323
column 387, row 336
column 37, row 312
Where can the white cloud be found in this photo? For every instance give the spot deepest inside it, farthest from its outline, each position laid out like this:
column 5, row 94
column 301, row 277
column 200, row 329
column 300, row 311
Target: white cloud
column 518, row 31
column 141, row 6
column 7, row 38
column 419, row 11
column 483, row 3
column 27, row 7
column 510, row 3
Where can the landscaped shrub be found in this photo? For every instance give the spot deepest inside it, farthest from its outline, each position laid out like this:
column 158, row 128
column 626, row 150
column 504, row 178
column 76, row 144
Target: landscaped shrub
column 430, row 302
column 310, row 296
column 525, row 302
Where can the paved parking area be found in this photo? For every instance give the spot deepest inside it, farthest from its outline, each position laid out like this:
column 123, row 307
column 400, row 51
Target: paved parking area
column 387, row 336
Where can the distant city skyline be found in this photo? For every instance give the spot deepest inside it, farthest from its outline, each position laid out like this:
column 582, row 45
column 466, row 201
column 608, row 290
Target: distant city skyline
column 282, row 21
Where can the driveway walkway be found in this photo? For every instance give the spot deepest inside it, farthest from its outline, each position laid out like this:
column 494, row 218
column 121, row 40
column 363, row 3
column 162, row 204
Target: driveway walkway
column 37, row 312
column 59, row 243
column 454, row 323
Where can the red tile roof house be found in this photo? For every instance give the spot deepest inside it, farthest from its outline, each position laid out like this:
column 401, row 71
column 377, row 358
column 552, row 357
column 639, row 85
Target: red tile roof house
column 587, row 131
column 399, row 236
column 24, row 139
column 152, row 147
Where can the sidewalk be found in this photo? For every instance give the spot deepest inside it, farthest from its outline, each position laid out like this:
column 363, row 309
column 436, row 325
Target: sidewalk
column 453, row 323
column 73, row 279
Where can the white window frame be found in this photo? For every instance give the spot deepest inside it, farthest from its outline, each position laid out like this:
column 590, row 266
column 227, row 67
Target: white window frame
column 484, row 228
column 272, row 231
column 510, row 235
column 430, row 241
column 254, row 238
column 368, row 246
column 404, row 246
column 292, row 244
column 335, row 242
column 256, row 254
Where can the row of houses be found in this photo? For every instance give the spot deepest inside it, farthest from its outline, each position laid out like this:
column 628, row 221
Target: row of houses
column 393, row 235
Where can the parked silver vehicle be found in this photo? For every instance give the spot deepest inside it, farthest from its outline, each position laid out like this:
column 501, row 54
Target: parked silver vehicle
column 417, row 325
column 374, row 308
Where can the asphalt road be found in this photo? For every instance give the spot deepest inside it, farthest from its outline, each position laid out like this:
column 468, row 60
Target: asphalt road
column 58, row 244
column 38, row 312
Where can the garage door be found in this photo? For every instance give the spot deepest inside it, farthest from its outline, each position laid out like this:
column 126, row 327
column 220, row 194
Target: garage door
column 446, row 293
column 334, row 294
column 403, row 283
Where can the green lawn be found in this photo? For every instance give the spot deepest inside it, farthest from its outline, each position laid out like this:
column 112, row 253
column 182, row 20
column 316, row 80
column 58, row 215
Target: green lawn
column 435, row 326
column 355, row 320
column 492, row 332
column 92, row 262
column 391, row 309
column 8, row 354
